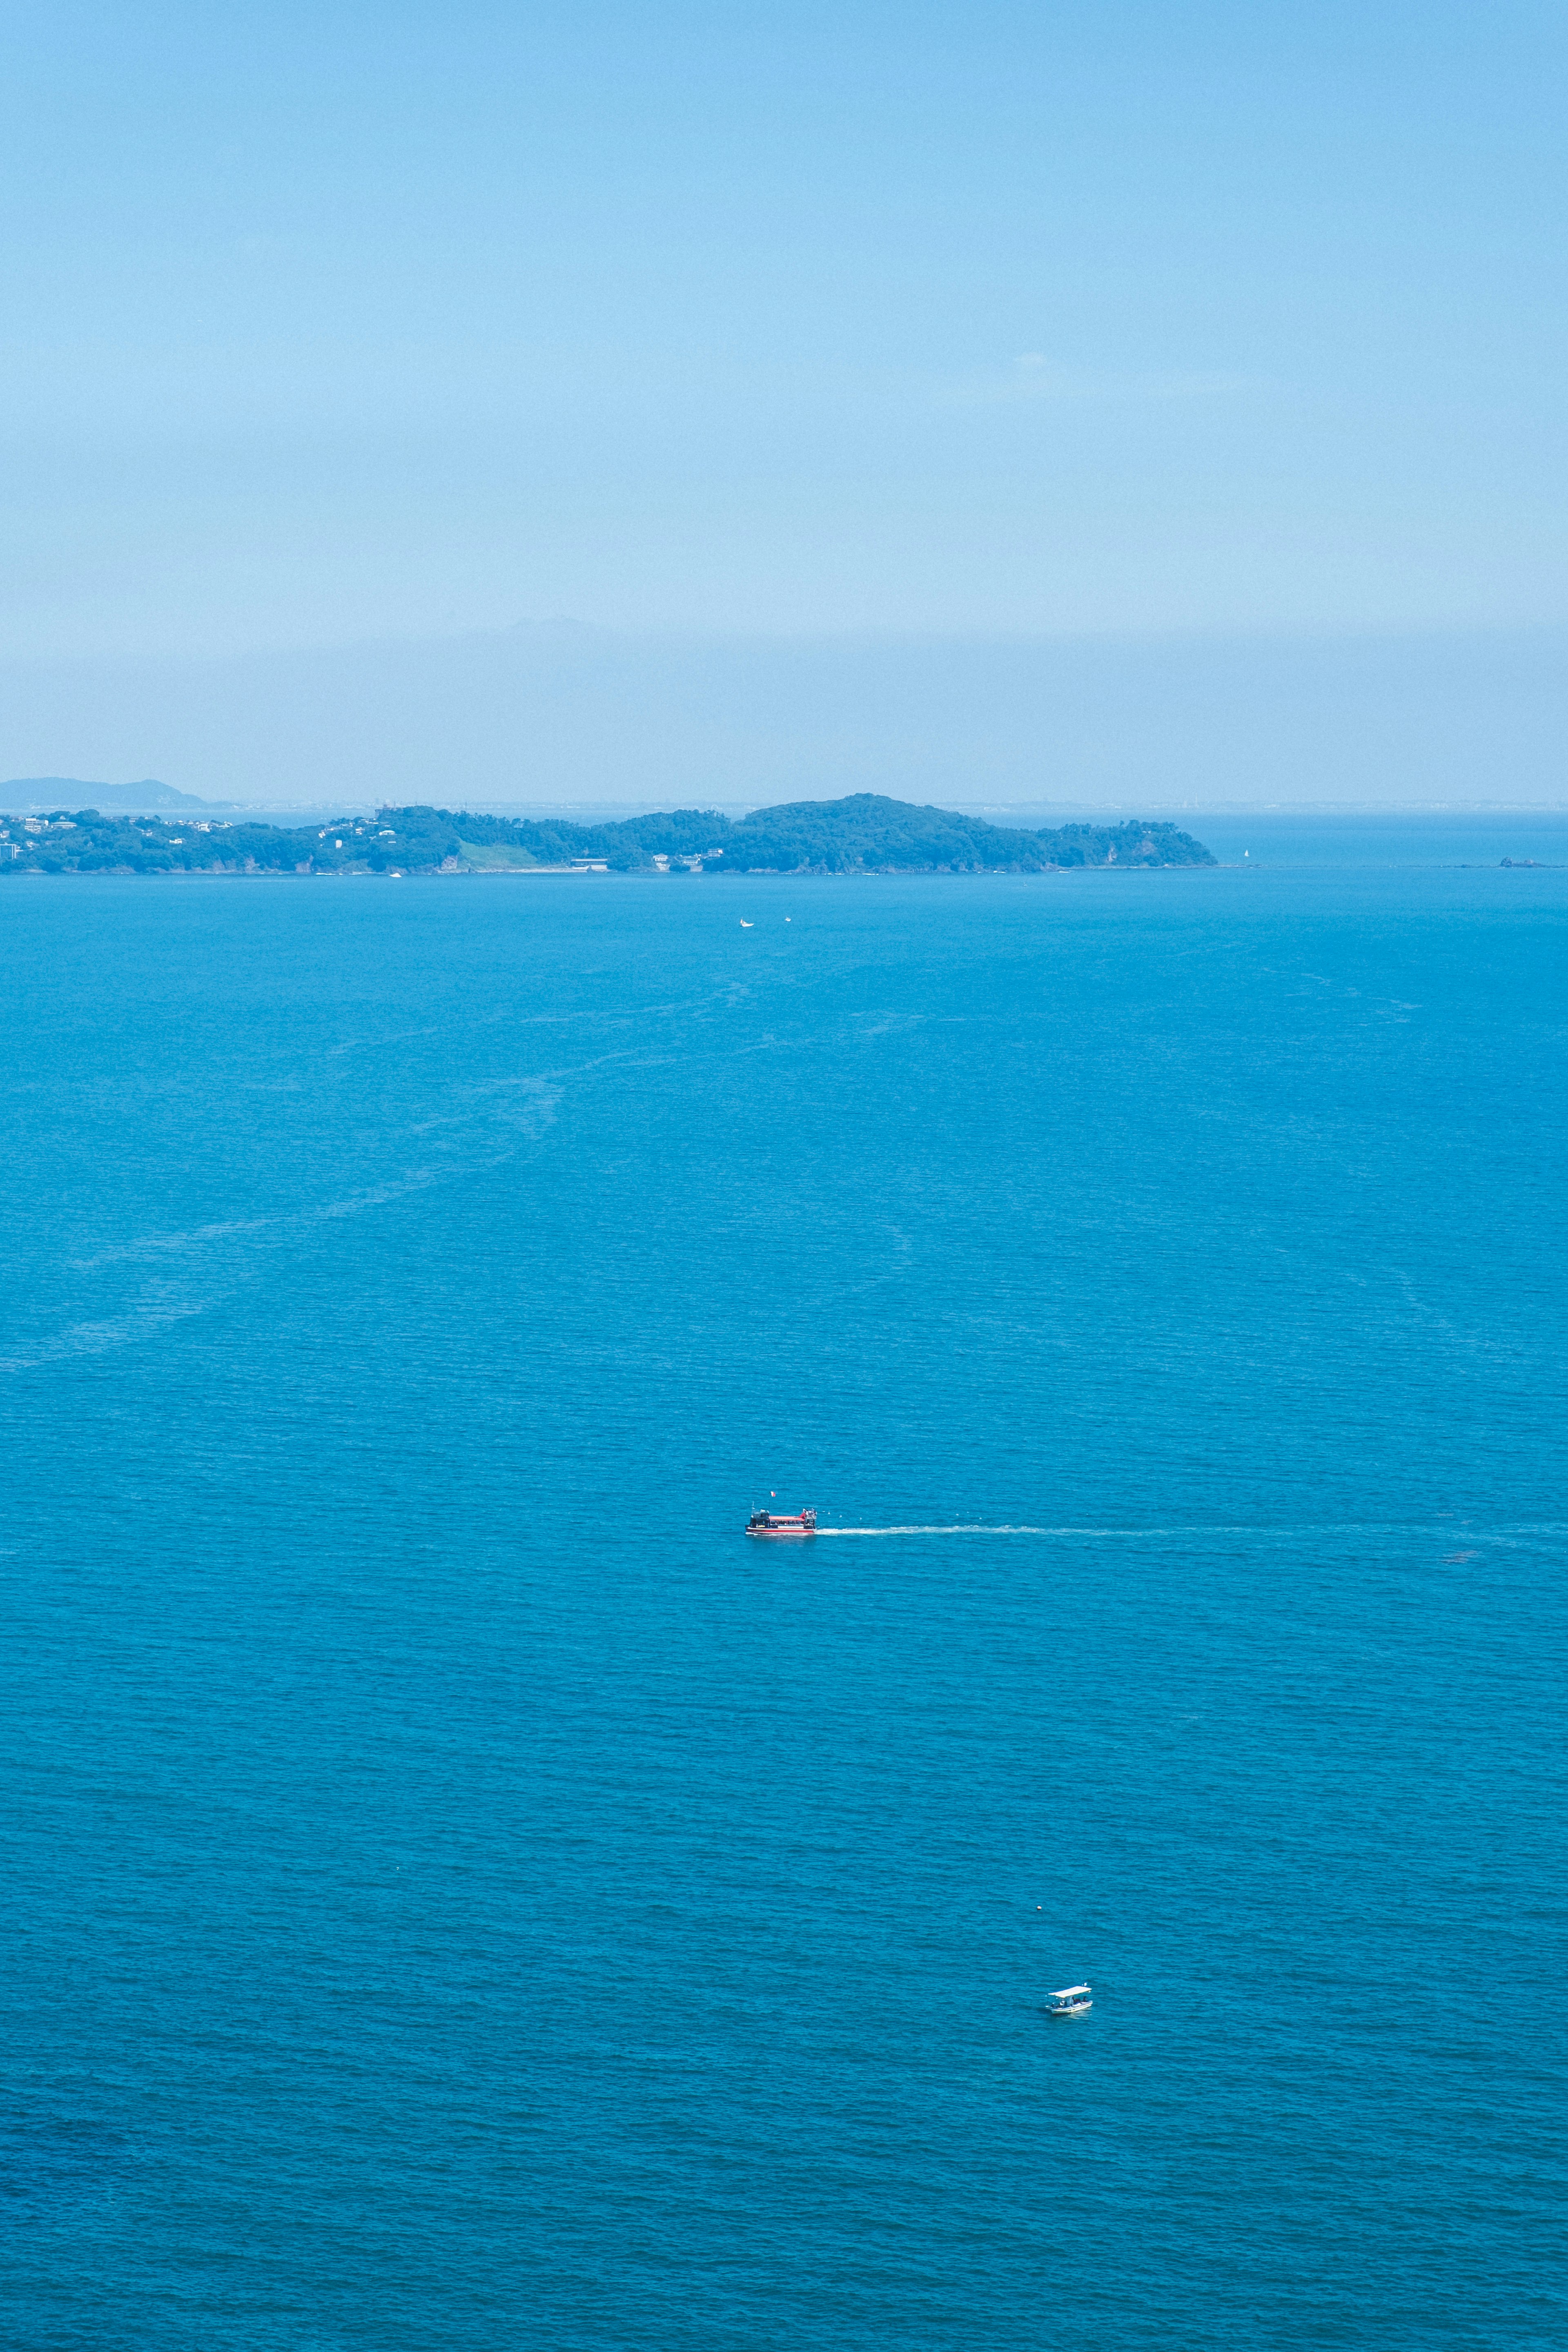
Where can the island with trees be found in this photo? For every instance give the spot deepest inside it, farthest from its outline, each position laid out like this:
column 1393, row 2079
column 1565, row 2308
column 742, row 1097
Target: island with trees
column 863, row 833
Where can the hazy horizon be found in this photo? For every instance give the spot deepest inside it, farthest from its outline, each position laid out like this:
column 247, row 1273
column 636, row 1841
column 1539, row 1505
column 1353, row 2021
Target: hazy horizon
column 569, row 715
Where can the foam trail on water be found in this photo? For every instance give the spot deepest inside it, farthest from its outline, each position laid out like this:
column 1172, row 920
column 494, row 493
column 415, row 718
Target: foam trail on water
column 1449, row 1530
column 967, row 1530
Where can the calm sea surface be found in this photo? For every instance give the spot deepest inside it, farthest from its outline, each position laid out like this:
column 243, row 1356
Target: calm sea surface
column 461, row 1895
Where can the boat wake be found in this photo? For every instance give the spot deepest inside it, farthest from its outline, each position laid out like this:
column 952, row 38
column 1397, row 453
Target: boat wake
column 1447, row 1531
column 968, row 1530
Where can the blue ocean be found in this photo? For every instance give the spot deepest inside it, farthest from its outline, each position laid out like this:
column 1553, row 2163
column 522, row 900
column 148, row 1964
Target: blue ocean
column 463, row 1897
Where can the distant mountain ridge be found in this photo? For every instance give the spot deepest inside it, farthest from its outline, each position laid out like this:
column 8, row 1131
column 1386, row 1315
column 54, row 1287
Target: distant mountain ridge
column 863, row 833
column 64, row 791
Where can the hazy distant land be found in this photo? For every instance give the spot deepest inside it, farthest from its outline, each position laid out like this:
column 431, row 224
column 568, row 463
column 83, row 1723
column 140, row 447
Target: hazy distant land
column 37, row 793
column 865, row 833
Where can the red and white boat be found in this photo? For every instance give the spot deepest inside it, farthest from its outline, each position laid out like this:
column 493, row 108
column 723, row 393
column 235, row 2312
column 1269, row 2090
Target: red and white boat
column 778, row 1523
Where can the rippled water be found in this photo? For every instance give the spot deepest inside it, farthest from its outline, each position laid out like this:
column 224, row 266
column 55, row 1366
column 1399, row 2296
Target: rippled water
column 462, row 1894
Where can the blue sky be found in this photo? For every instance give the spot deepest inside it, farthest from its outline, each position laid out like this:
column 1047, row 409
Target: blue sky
column 324, row 324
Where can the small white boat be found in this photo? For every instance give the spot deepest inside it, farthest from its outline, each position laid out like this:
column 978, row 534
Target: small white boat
column 1071, row 2001
column 745, row 926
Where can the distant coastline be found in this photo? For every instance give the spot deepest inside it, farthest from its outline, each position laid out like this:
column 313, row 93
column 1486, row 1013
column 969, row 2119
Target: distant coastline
column 865, row 833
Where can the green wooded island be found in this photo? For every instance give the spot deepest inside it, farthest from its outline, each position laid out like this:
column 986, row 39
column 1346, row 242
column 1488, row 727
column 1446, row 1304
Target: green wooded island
column 866, row 833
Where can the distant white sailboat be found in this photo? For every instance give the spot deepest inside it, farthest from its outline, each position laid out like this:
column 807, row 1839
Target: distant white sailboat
column 745, row 926
column 1071, row 2001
